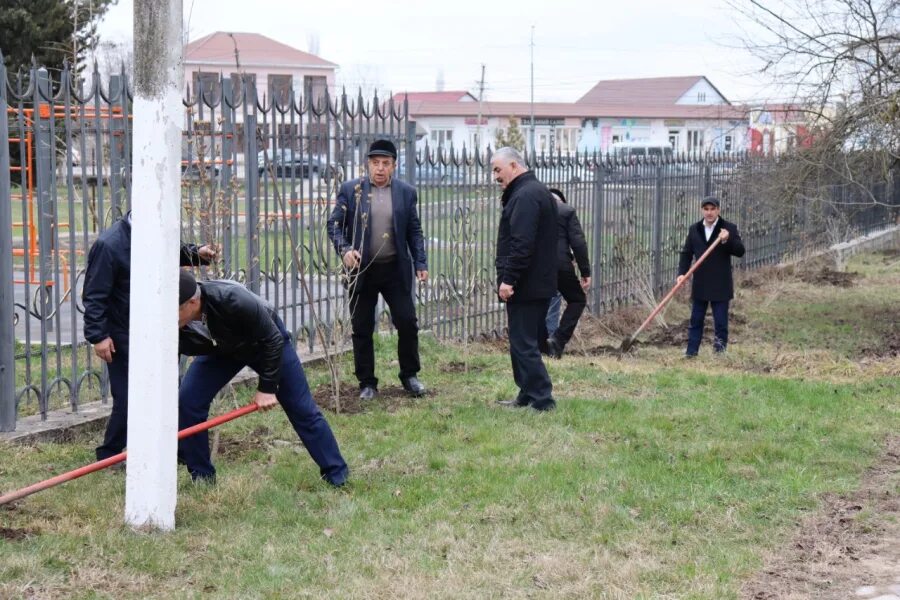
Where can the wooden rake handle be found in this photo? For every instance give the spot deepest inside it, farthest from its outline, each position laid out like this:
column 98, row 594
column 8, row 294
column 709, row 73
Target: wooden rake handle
column 677, row 287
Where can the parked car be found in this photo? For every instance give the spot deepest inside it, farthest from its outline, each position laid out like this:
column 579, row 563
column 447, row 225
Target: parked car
column 289, row 163
column 429, row 174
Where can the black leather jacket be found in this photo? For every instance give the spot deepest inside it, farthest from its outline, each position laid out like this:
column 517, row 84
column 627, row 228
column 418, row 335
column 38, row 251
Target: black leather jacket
column 239, row 325
column 571, row 240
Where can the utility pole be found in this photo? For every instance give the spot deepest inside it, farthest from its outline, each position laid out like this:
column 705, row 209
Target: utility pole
column 532, row 91
column 478, row 123
column 151, row 474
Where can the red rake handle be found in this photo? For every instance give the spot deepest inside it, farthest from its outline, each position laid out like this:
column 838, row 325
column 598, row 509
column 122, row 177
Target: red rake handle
column 112, row 460
column 677, row 287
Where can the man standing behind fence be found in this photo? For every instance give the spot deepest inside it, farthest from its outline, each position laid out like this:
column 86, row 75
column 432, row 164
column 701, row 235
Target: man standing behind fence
column 375, row 228
column 571, row 246
column 713, row 283
column 106, row 296
column 526, row 266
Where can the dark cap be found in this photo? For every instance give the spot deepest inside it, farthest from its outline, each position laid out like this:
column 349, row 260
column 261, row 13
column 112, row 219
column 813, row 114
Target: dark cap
column 187, row 286
column 709, row 200
column 558, row 194
column 383, row 148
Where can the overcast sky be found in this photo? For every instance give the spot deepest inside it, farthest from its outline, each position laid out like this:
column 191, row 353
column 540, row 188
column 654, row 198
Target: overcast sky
column 409, row 44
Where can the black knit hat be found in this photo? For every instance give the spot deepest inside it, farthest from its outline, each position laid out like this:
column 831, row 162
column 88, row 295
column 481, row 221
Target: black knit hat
column 709, row 200
column 187, row 286
column 558, row 194
column 383, row 148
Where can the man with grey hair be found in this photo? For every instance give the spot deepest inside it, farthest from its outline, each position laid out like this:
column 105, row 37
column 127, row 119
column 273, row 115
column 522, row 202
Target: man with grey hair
column 526, row 272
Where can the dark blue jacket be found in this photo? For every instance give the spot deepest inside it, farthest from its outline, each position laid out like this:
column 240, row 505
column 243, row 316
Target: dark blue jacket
column 107, row 284
column 712, row 280
column 527, row 240
column 348, row 227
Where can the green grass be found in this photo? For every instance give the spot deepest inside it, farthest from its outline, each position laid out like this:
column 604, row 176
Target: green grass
column 654, row 478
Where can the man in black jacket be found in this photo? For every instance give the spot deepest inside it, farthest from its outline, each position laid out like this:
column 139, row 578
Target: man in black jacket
column 526, row 272
column 713, row 282
column 106, row 296
column 375, row 228
column 571, row 245
column 227, row 327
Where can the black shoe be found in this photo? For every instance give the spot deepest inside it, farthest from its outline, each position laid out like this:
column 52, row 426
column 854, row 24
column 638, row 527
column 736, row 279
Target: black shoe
column 546, row 405
column 413, row 386
column 368, row 393
column 514, row 403
column 554, row 350
column 689, row 356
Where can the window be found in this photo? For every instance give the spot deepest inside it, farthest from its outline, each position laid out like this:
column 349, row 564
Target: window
column 209, row 84
column 727, row 143
column 249, row 82
column 441, row 137
column 701, row 97
column 315, row 87
column 695, row 140
column 280, row 88
column 675, row 139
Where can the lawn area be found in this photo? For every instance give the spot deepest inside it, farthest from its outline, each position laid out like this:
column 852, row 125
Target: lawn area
column 656, row 477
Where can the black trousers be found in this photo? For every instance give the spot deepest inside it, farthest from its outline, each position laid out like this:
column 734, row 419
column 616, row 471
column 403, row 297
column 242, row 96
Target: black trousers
column 720, row 324
column 383, row 278
column 526, row 326
column 115, row 438
column 569, row 286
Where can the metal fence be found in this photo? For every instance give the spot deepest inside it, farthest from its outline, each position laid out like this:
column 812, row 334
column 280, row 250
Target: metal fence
column 259, row 178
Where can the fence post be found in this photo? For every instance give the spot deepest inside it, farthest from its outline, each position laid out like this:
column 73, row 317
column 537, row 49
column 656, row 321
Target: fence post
column 116, row 152
column 410, row 158
column 45, row 147
column 252, row 193
column 657, row 230
column 707, row 181
column 597, row 236
column 227, row 167
column 7, row 291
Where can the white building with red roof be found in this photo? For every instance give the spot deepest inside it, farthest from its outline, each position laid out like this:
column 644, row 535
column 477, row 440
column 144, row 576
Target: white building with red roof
column 688, row 113
column 276, row 68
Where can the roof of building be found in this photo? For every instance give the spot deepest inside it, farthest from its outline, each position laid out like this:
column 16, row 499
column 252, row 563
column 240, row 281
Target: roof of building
column 648, row 90
column 448, row 96
column 624, row 109
column 253, row 49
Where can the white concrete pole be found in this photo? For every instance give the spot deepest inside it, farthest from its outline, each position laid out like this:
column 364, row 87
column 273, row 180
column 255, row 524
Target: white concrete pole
column 150, row 489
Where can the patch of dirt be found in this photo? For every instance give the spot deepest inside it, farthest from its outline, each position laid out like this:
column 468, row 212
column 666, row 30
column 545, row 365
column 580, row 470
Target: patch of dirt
column 390, row 397
column 236, row 447
column 889, row 347
column 827, row 276
column 7, row 533
column 852, row 540
column 454, row 366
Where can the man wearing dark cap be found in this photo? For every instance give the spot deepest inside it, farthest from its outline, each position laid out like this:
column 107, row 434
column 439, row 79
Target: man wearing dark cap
column 228, row 327
column 375, row 228
column 571, row 249
column 106, row 297
column 713, row 284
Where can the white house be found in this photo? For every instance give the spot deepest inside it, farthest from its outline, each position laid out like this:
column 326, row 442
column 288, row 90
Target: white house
column 687, row 112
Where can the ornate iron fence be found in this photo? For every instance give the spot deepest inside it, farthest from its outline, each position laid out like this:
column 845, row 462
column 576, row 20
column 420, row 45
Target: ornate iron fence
column 259, row 178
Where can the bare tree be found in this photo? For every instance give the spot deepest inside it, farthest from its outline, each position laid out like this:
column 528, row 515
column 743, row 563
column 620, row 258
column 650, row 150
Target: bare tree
column 839, row 61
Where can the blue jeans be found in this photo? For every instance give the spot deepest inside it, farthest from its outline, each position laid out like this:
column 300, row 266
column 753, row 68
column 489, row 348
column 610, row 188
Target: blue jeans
column 209, row 374
column 553, row 314
column 720, row 322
